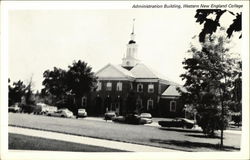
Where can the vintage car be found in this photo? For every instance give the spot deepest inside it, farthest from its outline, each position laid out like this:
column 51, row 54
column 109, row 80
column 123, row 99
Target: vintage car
column 146, row 115
column 14, row 108
column 132, row 119
column 61, row 113
column 109, row 115
column 82, row 113
column 178, row 122
column 120, row 119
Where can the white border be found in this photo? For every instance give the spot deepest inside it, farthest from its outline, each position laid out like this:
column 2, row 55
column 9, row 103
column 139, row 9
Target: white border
column 5, row 154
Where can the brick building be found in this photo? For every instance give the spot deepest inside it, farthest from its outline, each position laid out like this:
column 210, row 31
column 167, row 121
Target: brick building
column 133, row 87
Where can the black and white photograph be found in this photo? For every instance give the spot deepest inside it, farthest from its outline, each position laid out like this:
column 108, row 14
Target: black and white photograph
column 125, row 80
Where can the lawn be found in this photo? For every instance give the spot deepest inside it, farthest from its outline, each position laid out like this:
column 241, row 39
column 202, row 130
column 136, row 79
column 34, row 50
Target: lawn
column 185, row 140
column 22, row 142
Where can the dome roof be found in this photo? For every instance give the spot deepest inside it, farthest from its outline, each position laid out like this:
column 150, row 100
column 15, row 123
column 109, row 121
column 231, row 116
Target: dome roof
column 131, row 42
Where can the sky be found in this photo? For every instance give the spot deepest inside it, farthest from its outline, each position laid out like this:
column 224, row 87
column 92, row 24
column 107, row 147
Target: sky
column 43, row 39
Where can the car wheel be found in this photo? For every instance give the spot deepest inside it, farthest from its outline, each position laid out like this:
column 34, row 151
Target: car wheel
column 62, row 116
column 49, row 114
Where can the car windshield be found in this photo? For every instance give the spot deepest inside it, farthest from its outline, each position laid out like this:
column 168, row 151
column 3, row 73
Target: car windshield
column 65, row 110
column 188, row 120
column 81, row 110
column 145, row 114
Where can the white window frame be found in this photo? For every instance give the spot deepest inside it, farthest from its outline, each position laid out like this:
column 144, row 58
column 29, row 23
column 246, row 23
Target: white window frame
column 149, row 88
column 170, row 108
column 84, row 101
column 109, row 88
column 119, row 86
column 131, row 86
column 99, row 86
column 148, row 102
column 138, row 86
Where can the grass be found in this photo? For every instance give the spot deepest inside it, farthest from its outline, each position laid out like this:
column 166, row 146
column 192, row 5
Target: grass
column 22, row 142
column 137, row 134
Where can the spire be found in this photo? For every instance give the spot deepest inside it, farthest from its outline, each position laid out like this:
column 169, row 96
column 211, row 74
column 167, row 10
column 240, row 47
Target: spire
column 130, row 59
column 132, row 35
column 133, row 26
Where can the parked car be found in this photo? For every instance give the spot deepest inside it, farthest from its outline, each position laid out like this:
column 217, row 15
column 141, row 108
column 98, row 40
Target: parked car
column 146, row 115
column 120, row 119
column 61, row 113
column 146, row 120
column 132, row 119
column 82, row 113
column 42, row 108
column 48, row 109
column 14, row 108
column 178, row 122
column 109, row 115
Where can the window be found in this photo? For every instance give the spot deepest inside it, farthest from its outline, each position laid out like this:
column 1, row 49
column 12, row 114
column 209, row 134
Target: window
column 150, row 88
column 109, row 86
column 139, row 88
column 139, row 102
column 131, row 86
column 99, row 86
column 150, row 104
column 84, row 101
column 172, row 106
column 119, row 86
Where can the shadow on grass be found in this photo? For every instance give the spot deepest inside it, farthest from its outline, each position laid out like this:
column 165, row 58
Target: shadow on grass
column 23, row 142
column 180, row 130
column 204, row 136
column 194, row 145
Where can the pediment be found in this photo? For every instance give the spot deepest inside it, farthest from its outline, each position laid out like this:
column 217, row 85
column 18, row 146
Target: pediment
column 111, row 71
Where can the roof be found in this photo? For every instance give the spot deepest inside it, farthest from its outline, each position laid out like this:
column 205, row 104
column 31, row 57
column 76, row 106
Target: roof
column 144, row 72
column 139, row 71
column 113, row 71
column 123, row 70
column 171, row 91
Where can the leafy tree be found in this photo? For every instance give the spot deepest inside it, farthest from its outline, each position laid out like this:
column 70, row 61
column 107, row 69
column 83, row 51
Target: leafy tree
column 80, row 80
column 211, row 25
column 69, row 86
column 16, row 91
column 55, row 83
column 29, row 96
column 209, row 77
column 235, row 106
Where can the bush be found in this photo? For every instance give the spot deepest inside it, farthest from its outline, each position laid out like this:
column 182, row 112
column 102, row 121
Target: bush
column 237, row 119
column 27, row 108
column 210, row 120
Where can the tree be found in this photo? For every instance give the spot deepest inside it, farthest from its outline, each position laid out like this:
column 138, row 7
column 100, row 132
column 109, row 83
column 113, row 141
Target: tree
column 16, row 91
column 211, row 25
column 55, row 84
column 69, row 85
column 235, row 106
column 29, row 96
column 209, row 77
column 80, row 80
